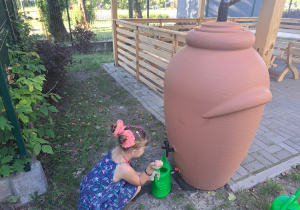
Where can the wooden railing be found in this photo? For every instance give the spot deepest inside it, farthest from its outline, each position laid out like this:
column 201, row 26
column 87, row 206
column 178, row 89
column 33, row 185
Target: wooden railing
column 144, row 47
column 145, row 51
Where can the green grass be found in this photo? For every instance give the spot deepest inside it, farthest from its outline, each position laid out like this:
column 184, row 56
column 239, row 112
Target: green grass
column 295, row 176
column 90, row 61
column 270, row 188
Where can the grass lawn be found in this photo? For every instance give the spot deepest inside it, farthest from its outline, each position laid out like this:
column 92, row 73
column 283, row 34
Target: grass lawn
column 91, row 102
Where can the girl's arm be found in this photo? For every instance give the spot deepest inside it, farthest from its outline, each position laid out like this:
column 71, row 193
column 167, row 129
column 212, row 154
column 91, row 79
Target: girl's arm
column 130, row 175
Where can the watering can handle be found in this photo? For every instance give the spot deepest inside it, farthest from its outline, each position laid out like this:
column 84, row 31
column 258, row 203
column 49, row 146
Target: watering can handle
column 297, row 194
column 288, row 202
column 292, row 199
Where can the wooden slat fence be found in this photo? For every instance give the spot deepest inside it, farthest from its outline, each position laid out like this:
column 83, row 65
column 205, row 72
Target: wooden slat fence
column 144, row 47
column 145, row 51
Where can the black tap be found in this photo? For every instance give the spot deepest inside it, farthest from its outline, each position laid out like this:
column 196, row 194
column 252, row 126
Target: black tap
column 167, row 148
column 223, row 9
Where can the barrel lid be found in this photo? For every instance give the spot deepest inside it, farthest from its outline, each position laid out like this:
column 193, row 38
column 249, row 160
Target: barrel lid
column 220, row 36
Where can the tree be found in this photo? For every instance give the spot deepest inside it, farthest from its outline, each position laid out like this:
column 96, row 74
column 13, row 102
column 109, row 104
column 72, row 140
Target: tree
column 138, row 9
column 81, row 5
column 52, row 12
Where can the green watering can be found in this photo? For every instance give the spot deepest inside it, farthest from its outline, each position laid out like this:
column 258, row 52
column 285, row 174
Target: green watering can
column 286, row 202
column 162, row 187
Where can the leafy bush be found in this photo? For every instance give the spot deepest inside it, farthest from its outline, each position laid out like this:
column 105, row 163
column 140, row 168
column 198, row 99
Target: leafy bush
column 82, row 39
column 26, row 78
column 22, row 31
column 55, row 58
column 291, row 14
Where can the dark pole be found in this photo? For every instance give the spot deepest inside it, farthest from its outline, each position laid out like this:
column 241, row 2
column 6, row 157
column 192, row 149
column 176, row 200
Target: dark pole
column 148, row 9
column 253, row 8
column 207, row 7
column 69, row 21
column 130, row 5
column 13, row 118
column 224, row 8
column 291, row 2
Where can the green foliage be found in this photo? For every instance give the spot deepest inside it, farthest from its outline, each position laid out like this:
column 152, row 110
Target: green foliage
column 26, row 78
column 270, row 188
column 82, row 39
column 11, row 199
column 295, row 176
column 22, row 31
column 55, row 58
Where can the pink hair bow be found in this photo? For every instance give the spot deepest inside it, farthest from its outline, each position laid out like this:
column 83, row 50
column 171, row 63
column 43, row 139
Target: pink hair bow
column 119, row 129
column 129, row 139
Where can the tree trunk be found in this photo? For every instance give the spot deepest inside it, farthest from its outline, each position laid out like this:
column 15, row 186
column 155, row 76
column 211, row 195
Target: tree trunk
column 56, row 24
column 84, row 22
column 137, row 8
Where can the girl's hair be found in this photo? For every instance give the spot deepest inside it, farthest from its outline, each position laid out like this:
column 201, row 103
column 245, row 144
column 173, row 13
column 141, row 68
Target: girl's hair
column 141, row 137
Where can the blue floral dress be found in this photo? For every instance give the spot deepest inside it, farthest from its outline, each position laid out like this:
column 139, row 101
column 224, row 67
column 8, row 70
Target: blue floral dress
column 99, row 191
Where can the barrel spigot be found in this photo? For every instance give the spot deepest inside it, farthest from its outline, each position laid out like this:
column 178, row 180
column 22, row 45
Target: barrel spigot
column 167, row 148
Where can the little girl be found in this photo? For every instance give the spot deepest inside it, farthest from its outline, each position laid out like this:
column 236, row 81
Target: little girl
column 112, row 183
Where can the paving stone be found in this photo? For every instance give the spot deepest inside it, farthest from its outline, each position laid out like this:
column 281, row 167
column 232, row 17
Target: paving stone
column 242, row 171
column 5, row 189
column 263, row 128
column 258, row 156
column 278, row 139
column 247, row 159
column 269, row 156
column 259, row 143
column 273, row 148
column 236, row 176
column 253, row 148
column 295, row 139
column 287, row 131
column 140, row 94
column 253, row 166
column 293, row 145
column 283, row 134
column 282, row 154
column 288, row 148
column 161, row 113
column 265, row 140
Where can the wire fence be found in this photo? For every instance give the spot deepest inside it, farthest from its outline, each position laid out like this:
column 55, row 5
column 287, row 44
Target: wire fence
column 101, row 23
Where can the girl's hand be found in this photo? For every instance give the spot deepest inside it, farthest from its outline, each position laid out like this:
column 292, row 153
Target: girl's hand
column 156, row 165
column 153, row 175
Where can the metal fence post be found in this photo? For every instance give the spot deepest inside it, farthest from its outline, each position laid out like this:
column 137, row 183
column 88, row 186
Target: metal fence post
column 4, row 91
column 253, row 7
column 13, row 117
column 69, row 21
column 207, row 8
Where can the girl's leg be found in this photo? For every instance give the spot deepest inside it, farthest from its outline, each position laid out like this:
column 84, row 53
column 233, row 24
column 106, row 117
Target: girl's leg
column 138, row 190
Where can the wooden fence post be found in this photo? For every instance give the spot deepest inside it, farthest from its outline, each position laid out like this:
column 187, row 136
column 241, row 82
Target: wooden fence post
column 174, row 45
column 267, row 28
column 201, row 8
column 137, row 41
column 114, row 15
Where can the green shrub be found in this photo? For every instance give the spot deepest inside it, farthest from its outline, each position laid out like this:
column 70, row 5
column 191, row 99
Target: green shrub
column 26, row 80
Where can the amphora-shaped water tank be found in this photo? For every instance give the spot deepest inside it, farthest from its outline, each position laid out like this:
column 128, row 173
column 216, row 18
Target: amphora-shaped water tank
column 215, row 91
